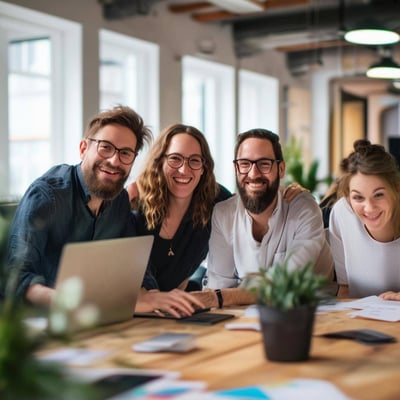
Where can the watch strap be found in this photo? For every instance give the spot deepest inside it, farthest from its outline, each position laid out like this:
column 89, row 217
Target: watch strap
column 219, row 297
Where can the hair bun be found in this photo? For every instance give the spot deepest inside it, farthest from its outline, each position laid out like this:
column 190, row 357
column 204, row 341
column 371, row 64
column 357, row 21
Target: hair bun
column 361, row 145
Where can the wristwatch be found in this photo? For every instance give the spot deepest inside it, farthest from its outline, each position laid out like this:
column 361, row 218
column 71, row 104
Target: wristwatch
column 219, row 297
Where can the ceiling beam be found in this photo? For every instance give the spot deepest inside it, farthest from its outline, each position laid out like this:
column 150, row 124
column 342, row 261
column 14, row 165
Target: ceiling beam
column 222, row 15
column 312, row 46
column 189, row 7
column 273, row 4
column 214, row 16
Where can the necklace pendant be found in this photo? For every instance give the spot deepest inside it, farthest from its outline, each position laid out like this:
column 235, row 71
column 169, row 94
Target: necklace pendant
column 170, row 252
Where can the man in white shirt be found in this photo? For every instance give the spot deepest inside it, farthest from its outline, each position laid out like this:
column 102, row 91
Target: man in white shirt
column 257, row 227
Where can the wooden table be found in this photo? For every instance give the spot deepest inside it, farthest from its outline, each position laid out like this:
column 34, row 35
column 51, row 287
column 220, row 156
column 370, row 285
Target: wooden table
column 226, row 359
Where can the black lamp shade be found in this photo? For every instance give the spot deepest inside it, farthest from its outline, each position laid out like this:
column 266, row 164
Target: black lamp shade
column 384, row 69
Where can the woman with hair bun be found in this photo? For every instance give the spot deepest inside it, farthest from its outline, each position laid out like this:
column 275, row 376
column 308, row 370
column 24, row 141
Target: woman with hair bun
column 364, row 227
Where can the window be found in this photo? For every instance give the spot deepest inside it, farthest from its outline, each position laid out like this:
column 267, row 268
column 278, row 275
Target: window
column 129, row 75
column 42, row 53
column 29, row 84
column 258, row 102
column 208, row 104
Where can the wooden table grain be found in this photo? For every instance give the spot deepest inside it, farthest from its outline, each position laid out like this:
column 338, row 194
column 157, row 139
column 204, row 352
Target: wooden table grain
column 226, row 359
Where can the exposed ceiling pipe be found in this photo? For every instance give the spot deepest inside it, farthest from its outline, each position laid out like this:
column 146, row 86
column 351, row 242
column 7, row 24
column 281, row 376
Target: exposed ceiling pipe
column 333, row 18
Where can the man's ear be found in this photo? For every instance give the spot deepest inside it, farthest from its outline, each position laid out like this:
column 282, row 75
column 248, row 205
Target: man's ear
column 83, row 145
column 282, row 169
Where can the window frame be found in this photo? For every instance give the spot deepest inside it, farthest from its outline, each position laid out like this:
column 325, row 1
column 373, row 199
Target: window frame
column 219, row 127
column 66, row 99
column 147, row 81
column 265, row 92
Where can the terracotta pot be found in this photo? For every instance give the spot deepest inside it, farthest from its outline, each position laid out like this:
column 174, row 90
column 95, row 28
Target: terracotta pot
column 287, row 334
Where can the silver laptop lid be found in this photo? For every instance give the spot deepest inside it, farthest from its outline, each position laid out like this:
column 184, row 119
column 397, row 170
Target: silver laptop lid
column 110, row 272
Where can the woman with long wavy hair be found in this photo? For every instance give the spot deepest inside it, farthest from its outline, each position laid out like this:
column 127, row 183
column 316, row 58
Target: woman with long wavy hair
column 178, row 191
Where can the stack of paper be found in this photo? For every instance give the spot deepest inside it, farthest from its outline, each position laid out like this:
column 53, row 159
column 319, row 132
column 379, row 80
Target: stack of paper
column 372, row 307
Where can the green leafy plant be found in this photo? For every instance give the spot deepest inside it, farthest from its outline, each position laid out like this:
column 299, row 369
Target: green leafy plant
column 284, row 288
column 22, row 375
column 296, row 169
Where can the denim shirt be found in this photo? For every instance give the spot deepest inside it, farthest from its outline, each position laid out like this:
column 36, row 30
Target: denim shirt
column 53, row 212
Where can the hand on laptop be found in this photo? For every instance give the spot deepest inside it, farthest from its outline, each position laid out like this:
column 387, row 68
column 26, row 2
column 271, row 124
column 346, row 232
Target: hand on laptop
column 176, row 302
column 40, row 294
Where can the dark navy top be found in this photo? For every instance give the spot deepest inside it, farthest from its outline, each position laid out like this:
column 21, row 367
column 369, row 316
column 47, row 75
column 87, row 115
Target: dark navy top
column 189, row 244
column 54, row 211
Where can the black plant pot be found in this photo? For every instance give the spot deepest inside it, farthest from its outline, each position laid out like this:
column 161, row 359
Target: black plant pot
column 287, row 334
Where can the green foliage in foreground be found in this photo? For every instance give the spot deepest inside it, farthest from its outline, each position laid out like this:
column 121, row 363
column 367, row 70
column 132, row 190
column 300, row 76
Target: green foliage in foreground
column 22, row 375
column 286, row 289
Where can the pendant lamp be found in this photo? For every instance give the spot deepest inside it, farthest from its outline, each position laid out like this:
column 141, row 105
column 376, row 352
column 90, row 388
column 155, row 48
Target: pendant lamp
column 386, row 68
column 372, row 33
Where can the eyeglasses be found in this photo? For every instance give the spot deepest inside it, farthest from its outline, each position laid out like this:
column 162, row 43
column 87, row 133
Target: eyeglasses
column 106, row 149
column 264, row 165
column 176, row 160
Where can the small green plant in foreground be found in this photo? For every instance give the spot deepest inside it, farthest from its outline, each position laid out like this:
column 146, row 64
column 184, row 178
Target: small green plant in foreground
column 284, row 288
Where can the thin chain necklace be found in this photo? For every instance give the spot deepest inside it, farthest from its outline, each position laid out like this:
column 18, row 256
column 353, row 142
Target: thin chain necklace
column 169, row 237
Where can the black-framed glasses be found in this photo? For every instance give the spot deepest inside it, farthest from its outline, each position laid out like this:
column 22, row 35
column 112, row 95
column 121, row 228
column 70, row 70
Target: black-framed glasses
column 264, row 165
column 106, row 149
column 176, row 160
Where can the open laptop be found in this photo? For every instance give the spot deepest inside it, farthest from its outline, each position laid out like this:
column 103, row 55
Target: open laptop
column 111, row 272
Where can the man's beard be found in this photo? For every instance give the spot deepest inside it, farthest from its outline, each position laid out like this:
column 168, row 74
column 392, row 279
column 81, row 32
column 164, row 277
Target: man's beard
column 260, row 200
column 103, row 190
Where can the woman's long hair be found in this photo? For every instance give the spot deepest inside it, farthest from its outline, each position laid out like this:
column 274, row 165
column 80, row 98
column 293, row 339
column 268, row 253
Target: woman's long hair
column 154, row 194
column 373, row 159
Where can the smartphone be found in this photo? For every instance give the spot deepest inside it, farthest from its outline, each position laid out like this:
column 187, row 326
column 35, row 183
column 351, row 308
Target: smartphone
column 367, row 336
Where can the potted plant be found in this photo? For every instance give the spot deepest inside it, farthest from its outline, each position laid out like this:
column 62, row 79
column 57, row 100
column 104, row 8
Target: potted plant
column 287, row 299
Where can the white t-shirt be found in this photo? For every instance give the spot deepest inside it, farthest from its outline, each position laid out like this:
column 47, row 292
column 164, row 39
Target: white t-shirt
column 369, row 267
column 295, row 230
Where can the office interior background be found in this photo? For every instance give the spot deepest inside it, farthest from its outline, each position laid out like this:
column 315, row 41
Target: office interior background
column 223, row 66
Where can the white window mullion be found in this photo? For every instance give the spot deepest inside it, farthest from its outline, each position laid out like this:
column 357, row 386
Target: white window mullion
column 4, row 150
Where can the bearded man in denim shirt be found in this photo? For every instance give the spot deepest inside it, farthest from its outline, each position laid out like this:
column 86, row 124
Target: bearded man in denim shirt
column 76, row 203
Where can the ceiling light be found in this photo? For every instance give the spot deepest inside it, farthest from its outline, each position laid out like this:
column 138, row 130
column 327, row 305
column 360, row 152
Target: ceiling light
column 371, row 32
column 396, row 84
column 238, row 6
column 384, row 69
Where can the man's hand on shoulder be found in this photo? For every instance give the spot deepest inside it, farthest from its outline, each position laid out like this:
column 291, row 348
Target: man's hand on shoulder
column 291, row 191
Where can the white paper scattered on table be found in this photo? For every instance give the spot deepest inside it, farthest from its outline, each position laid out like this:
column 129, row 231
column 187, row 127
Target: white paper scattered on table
column 310, row 389
column 339, row 306
column 243, row 326
column 372, row 307
column 74, row 356
column 251, row 312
